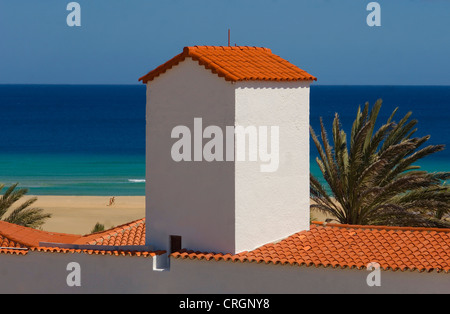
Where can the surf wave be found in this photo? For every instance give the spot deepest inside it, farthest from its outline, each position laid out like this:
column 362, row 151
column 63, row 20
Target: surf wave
column 136, row 180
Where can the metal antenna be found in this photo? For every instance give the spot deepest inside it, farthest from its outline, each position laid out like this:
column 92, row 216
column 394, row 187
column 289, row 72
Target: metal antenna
column 229, row 38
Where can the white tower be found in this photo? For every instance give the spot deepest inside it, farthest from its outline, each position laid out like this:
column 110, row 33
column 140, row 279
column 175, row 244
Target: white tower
column 232, row 205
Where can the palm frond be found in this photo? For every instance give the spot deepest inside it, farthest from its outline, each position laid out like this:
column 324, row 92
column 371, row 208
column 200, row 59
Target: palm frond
column 375, row 180
column 23, row 214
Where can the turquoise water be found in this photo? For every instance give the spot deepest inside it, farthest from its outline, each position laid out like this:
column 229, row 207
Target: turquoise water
column 90, row 140
column 64, row 174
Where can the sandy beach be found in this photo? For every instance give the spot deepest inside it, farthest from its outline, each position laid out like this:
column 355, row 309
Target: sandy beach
column 79, row 214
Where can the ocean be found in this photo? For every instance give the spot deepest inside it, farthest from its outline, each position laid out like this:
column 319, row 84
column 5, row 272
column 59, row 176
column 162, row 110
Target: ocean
column 90, row 139
column 73, row 139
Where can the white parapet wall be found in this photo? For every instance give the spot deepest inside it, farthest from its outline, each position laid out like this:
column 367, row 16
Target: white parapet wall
column 39, row 272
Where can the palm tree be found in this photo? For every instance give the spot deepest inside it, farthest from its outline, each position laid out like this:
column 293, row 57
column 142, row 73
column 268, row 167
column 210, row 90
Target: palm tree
column 374, row 181
column 22, row 215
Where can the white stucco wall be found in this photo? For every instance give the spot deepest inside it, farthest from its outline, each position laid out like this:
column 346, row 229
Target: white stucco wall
column 273, row 205
column 39, row 272
column 192, row 199
column 229, row 277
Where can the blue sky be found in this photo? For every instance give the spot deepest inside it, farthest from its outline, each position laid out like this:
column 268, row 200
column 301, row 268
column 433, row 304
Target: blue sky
column 119, row 41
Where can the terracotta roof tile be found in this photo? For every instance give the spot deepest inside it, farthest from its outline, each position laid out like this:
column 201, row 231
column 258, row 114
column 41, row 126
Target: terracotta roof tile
column 19, row 240
column 331, row 245
column 240, row 63
column 13, row 251
column 98, row 252
column 345, row 246
column 19, row 236
column 132, row 233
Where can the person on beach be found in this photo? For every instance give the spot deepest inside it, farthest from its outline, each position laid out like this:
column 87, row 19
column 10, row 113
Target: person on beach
column 111, row 201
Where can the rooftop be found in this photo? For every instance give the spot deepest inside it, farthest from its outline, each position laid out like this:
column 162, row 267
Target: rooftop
column 16, row 239
column 326, row 245
column 12, row 235
column 350, row 246
column 241, row 63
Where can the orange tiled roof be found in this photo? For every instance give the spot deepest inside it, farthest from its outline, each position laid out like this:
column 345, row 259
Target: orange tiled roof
column 98, row 252
column 240, row 63
column 8, row 246
column 132, row 233
column 342, row 246
column 330, row 245
column 16, row 239
column 19, row 236
column 13, row 251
